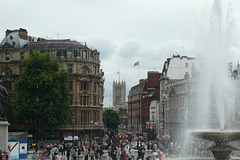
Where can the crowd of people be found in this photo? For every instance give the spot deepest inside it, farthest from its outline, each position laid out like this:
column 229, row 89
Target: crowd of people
column 60, row 151
column 3, row 155
column 94, row 152
column 128, row 152
column 118, row 151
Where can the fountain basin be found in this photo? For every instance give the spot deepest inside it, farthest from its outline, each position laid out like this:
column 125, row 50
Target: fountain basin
column 217, row 136
column 222, row 149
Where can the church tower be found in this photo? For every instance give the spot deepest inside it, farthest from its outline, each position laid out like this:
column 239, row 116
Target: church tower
column 119, row 93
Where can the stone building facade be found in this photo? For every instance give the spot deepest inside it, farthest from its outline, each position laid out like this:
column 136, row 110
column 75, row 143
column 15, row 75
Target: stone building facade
column 86, row 78
column 181, row 105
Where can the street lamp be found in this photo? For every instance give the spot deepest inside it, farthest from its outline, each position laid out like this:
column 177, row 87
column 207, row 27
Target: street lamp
column 163, row 122
column 36, row 125
column 73, row 119
column 51, row 104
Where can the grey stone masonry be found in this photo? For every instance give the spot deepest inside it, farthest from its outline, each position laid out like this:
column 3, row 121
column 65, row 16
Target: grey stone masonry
column 4, row 135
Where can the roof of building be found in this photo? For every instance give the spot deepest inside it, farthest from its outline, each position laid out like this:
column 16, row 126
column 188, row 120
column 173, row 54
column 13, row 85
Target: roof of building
column 63, row 43
column 13, row 39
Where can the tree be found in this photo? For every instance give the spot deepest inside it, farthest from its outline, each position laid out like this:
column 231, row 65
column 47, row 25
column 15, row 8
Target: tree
column 42, row 92
column 111, row 119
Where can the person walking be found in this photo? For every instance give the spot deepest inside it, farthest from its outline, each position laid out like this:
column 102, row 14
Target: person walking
column 122, row 155
column 73, row 154
column 68, row 153
column 42, row 157
column 132, row 153
column 143, row 152
column 60, row 157
column 85, row 152
column 34, row 157
column 91, row 154
column 54, row 152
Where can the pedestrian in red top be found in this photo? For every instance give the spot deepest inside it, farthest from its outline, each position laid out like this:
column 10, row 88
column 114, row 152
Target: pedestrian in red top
column 90, row 145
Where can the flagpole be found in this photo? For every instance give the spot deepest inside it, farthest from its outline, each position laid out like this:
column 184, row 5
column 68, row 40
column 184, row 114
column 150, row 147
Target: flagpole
column 137, row 64
column 138, row 72
column 119, row 76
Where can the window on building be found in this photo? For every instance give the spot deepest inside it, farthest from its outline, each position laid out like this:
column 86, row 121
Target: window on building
column 76, row 53
column 84, row 100
column 20, row 68
column 70, row 68
column 91, row 55
column 70, row 85
column 69, row 54
column 21, row 55
column 84, row 86
column 7, row 55
column 186, row 65
column 6, row 71
column 84, row 54
column 193, row 65
column 94, row 100
column 53, row 54
column 95, row 70
column 84, row 71
column 85, row 117
column 95, row 116
column 95, row 87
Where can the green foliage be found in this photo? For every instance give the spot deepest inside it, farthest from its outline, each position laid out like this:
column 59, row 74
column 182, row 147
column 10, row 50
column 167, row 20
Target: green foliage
column 42, row 91
column 111, row 119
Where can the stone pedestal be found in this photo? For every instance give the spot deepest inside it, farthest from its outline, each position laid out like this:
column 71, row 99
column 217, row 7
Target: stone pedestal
column 4, row 135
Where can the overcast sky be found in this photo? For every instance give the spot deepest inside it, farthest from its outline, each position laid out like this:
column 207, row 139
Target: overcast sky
column 123, row 31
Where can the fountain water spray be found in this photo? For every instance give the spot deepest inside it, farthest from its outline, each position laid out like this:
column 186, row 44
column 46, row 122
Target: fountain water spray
column 216, row 94
column 215, row 85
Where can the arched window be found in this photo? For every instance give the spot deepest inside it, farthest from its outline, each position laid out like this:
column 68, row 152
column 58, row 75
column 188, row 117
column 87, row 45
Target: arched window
column 6, row 71
column 53, row 54
column 69, row 54
column 84, row 70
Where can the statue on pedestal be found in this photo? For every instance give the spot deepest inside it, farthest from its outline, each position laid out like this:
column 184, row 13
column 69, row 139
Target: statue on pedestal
column 3, row 102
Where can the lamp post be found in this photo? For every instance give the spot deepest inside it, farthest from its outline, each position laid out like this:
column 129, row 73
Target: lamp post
column 163, row 122
column 73, row 119
column 138, row 132
column 36, row 126
column 51, row 104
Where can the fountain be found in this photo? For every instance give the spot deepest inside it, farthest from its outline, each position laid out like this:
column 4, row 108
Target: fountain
column 222, row 148
column 216, row 86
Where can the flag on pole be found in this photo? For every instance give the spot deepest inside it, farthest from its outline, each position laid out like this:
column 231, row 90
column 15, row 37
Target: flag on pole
column 118, row 72
column 136, row 63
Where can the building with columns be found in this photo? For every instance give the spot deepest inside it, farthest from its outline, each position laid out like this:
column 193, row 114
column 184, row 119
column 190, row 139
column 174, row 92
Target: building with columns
column 86, row 79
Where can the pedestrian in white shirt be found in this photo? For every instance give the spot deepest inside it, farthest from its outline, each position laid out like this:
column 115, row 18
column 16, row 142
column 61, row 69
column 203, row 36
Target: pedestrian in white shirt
column 59, row 156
